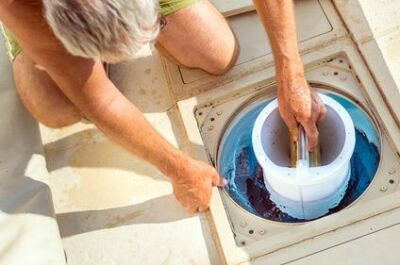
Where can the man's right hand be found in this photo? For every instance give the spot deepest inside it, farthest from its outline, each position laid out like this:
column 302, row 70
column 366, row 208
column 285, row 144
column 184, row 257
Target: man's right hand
column 298, row 104
column 193, row 184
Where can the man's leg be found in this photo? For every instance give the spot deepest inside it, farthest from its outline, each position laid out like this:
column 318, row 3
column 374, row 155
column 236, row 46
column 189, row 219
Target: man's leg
column 198, row 36
column 41, row 96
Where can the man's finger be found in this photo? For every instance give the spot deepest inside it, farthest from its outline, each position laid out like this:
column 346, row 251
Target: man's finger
column 319, row 107
column 191, row 209
column 322, row 113
column 203, row 208
column 312, row 135
column 219, row 181
column 292, row 125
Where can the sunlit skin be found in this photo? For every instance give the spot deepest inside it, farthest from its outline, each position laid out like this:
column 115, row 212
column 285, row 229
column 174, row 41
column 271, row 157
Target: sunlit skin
column 189, row 40
column 58, row 88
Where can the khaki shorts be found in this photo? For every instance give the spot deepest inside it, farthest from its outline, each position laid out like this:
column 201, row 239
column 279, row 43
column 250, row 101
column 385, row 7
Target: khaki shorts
column 12, row 46
column 167, row 7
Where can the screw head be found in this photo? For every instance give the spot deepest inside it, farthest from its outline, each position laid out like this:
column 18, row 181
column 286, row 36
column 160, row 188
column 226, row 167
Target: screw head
column 392, row 171
column 383, row 188
column 219, row 112
column 343, row 77
column 210, row 128
column 261, row 231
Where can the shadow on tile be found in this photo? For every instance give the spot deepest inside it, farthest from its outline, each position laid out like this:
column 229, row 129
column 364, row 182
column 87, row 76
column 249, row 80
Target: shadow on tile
column 91, row 149
column 23, row 175
column 163, row 209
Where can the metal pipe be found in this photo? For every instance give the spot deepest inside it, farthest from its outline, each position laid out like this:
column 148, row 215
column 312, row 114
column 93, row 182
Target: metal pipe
column 299, row 151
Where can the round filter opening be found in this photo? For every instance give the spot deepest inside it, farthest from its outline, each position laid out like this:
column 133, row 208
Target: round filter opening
column 247, row 189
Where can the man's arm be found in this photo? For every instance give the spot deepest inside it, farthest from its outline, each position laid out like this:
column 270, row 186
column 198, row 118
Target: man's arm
column 85, row 83
column 297, row 103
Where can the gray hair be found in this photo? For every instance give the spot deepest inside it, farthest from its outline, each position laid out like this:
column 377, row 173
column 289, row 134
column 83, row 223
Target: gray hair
column 109, row 30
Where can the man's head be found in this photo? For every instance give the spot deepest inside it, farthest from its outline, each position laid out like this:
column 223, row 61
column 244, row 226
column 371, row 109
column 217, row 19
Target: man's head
column 110, row 30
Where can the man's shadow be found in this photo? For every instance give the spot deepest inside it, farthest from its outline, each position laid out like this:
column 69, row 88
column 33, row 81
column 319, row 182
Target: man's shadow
column 163, row 209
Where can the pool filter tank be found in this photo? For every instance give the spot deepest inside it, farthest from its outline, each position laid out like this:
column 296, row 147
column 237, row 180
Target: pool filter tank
column 305, row 190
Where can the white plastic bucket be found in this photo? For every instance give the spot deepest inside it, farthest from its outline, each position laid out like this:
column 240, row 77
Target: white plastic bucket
column 306, row 193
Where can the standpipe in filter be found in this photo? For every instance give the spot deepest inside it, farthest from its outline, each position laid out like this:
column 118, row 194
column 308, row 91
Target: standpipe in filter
column 299, row 151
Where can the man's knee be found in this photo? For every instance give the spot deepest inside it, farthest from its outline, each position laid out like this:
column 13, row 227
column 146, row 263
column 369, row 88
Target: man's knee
column 198, row 36
column 61, row 118
column 41, row 96
column 225, row 62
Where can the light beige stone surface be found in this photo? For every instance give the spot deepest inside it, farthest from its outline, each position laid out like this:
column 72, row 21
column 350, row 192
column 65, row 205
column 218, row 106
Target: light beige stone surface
column 375, row 27
column 233, row 7
column 368, row 19
column 377, row 248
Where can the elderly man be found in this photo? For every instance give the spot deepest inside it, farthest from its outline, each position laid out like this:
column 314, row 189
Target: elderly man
column 58, row 46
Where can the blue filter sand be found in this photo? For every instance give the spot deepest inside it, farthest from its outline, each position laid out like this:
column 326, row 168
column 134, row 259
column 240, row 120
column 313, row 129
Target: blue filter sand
column 238, row 164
